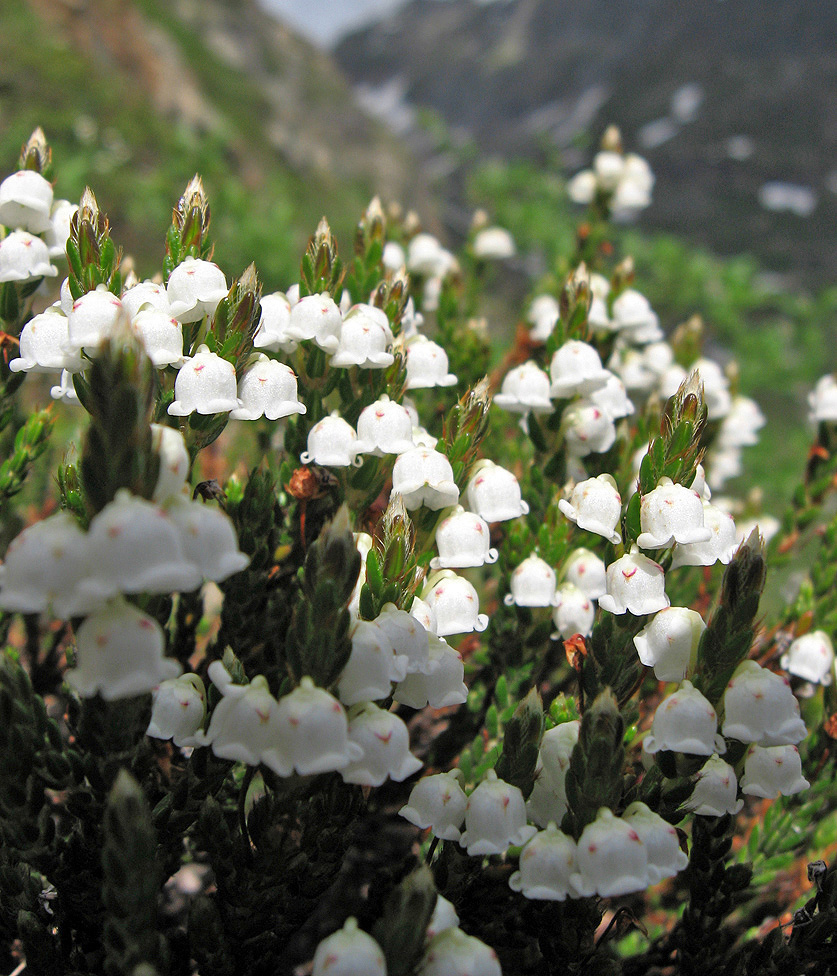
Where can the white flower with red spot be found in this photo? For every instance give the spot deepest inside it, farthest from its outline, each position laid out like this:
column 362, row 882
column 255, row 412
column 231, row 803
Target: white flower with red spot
column 716, row 790
column 385, row 427
column 596, row 506
column 588, row 429
column 208, row 538
column 453, row 953
column 671, row 513
column 170, row 447
column 438, row 802
column 760, row 707
column 685, row 722
column 441, row 686
column 548, row 799
column 43, row 342
column 532, row 584
column 205, row 384
column 365, row 339
column 669, row 642
column 385, row 743
column 574, row 612
column 268, row 389
column 316, row 317
column 455, row 603
column 312, row 734
column 463, row 539
column 424, row 477
column 495, row 818
column 120, row 653
column 427, row 364
column 26, row 201
column 810, row 657
column 720, row 547
column 587, row 571
column 274, row 321
column 194, row 289
column 576, row 368
column 372, row 666
column 349, row 952
column 525, row 388
column 635, row 584
column 662, row 844
column 494, row 493
column 145, row 294
column 547, row 863
column 611, row 857
column 178, row 710
column 332, row 442
column 772, row 771
column 91, row 320
column 161, row 336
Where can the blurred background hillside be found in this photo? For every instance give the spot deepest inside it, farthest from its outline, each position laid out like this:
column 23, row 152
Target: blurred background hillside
column 291, row 109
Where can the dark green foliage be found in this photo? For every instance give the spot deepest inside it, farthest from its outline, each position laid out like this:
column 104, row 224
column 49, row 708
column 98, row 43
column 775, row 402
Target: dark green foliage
column 521, row 739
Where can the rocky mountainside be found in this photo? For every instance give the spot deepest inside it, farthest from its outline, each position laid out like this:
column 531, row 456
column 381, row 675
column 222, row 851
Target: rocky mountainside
column 137, row 95
column 732, row 102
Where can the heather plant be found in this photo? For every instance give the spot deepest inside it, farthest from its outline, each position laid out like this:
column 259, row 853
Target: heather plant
column 457, row 668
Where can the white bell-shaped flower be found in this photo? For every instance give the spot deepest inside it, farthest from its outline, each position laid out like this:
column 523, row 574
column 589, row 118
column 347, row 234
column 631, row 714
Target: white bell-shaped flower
column 161, row 336
column 43, row 568
column 669, row 642
column 444, row 914
column 65, row 389
column 495, row 818
column 576, row 368
column 394, row 257
column 349, row 952
column 596, row 506
column 442, row 686
column 716, row 790
column 611, row 858
column 662, row 844
column 613, row 399
column 494, row 493
column 23, row 257
column 58, row 232
column 542, row 315
column 170, row 446
column 574, row 612
column 208, row 538
column 741, row 425
column 581, row 189
column 715, row 388
column 365, row 339
column 588, row 429
column 243, row 726
column 145, row 294
column 372, row 666
column 548, row 799
column 267, row 389
column 427, row 257
column 43, row 342
column 92, row 319
column 463, row 540
column 438, row 802
column 546, row 864
column 385, row 743
column 633, row 315
column 424, row 477
column 685, row 722
column 760, row 707
column 608, row 167
column 598, row 316
column 332, row 442
column 773, row 770
column 385, row 427
column 525, row 388
column 120, row 653
column 316, row 317
column 532, row 584
column 455, row 602
column 587, row 571
column 312, row 733
column 453, row 953
column 427, row 364
column 204, row 384
column 720, row 547
column 810, row 657
column 194, row 289
column 409, row 639
column 633, row 192
column 136, row 548
column 822, row 400
column 178, row 710
column 275, row 319
column 671, row 513
column 423, row 613
column 635, row 584
column 26, row 201
column 493, row 244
